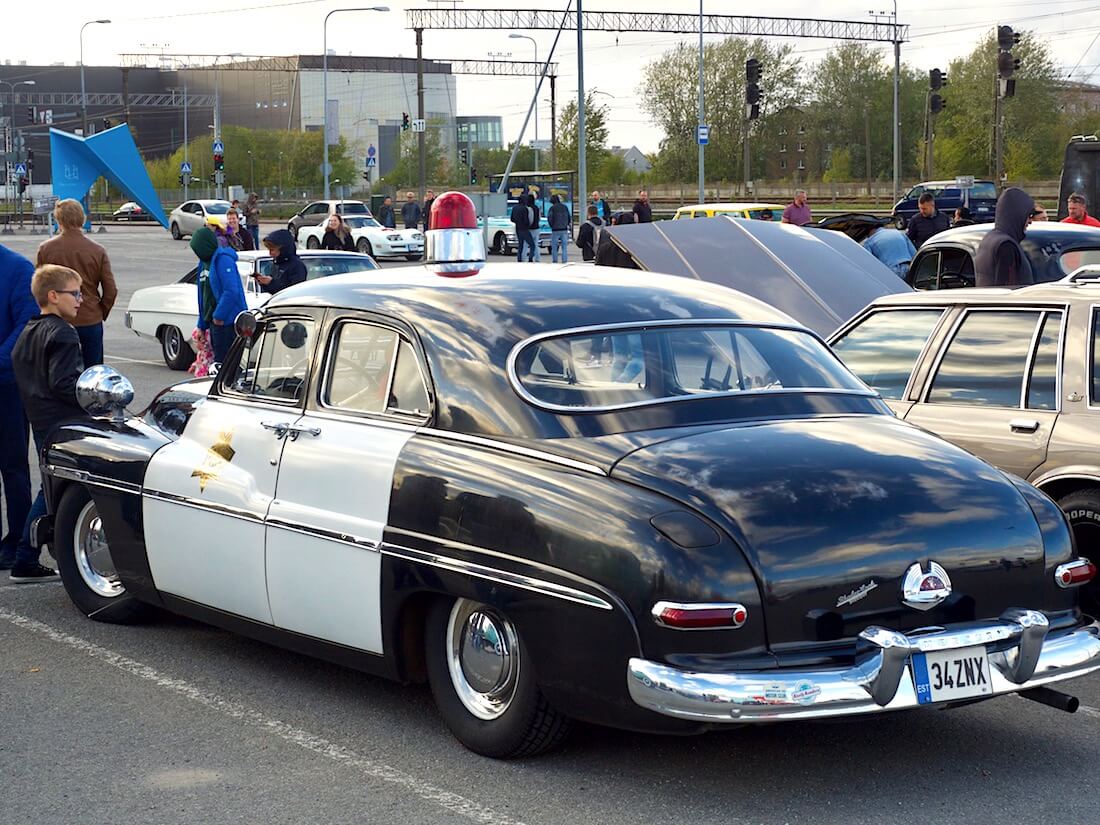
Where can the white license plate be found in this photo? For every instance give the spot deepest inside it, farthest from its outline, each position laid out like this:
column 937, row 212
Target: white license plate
column 946, row 675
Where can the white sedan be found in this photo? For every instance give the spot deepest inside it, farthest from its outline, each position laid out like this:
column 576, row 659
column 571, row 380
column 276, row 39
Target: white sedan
column 169, row 313
column 371, row 238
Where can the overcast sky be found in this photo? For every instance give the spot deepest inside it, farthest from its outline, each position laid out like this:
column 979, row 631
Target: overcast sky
column 940, row 30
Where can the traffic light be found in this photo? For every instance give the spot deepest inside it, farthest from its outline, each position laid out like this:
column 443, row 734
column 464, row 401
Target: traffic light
column 366, row 174
column 936, row 79
column 30, row 159
column 473, row 176
column 405, row 122
column 754, row 71
column 936, row 104
column 1006, row 38
column 464, row 157
column 213, row 177
column 181, row 180
column 1006, row 63
column 106, row 123
column 23, row 184
column 31, row 114
column 219, row 162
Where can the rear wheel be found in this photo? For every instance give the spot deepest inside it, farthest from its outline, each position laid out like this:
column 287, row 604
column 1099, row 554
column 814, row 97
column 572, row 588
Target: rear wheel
column 175, row 230
column 500, row 244
column 1082, row 508
column 177, row 353
column 312, row 243
column 484, row 683
column 85, row 564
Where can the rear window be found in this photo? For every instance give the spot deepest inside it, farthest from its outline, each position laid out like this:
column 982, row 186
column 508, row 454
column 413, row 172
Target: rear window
column 985, row 191
column 1072, row 260
column 617, row 367
column 352, row 209
column 217, row 208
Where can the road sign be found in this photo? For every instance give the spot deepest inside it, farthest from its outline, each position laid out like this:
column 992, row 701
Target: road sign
column 372, row 161
column 702, row 134
column 964, row 181
column 219, row 147
column 371, row 151
column 419, row 125
column 185, row 168
column 20, row 169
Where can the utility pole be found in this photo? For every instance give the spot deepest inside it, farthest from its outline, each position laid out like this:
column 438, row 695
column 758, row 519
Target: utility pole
column 421, row 159
column 867, row 145
column 702, row 110
column 897, row 113
column 582, row 172
column 553, row 122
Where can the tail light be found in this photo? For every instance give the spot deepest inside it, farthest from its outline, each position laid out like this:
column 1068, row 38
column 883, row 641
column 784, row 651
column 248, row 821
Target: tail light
column 1075, row 573
column 701, row 616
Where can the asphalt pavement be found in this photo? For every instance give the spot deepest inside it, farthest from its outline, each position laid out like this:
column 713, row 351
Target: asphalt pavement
column 174, row 721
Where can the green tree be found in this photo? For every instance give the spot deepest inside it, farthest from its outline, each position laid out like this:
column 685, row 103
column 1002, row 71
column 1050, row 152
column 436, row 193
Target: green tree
column 439, row 169
column 595, row 136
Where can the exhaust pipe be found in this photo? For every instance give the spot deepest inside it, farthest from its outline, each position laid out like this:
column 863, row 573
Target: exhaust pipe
column 1052, row 698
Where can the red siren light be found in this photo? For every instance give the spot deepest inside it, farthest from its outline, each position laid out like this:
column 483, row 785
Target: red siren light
column 454, row 246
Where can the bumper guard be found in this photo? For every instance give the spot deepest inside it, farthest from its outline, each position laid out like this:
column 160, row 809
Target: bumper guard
column 1021, row 656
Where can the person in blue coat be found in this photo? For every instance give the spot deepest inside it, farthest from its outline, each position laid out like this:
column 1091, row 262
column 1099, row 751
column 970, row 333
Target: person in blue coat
column 17, row 306
column 221, row 295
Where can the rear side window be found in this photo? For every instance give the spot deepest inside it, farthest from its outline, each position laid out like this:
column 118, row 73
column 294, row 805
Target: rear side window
column 1076, row 258
column 987, row 360
column 1042, row 387
column 1094, row 377
column 883, row 349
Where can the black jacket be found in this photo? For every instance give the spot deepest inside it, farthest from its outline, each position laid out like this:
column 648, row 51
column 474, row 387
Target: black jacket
column 386, row 216
column 410, row 214
column 289, row 268
column 332, row 241
column 520, row 217
column 587, row 238
column 642, row 212
column 47, row 361
column 559, row 217
column 920, row 228
column 1000, row 260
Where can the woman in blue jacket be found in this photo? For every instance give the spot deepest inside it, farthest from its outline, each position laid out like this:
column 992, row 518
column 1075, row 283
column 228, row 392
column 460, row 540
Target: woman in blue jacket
column 221, row 296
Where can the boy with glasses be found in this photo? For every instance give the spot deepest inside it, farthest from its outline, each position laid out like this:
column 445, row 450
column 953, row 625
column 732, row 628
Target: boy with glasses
column 47, row 361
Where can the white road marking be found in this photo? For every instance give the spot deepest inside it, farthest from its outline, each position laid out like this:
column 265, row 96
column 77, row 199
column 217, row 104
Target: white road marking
column 371, row 768
column 1085, row 709
column 132, row 360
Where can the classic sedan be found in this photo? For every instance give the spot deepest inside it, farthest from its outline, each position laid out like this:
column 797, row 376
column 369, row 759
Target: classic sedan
column 371, row 238
column 168, row 313
column 131, row 211
column 187, row 217
column 563, row 493
column 502, row 235
column 318, row 212
column 1013, row 376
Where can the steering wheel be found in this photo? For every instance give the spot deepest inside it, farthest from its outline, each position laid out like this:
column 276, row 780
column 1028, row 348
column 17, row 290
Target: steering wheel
column 372, row 387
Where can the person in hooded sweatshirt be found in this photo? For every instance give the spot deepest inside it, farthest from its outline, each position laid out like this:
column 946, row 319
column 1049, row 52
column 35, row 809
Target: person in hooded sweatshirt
column 289, row 268
column 1000, row 260
column 221, row 296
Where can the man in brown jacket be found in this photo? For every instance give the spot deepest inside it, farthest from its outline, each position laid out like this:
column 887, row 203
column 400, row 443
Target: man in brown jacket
column 74, row 249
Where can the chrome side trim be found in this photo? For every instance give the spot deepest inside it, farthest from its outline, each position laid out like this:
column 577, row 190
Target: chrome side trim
column 93, row 479
column 199, row 504
column 515, row 449
column 319, row 532
column 880, row 680
column 545, row 588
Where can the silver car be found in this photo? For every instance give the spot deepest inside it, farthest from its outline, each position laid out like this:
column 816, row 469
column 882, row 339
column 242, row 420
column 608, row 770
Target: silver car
column 189, row 216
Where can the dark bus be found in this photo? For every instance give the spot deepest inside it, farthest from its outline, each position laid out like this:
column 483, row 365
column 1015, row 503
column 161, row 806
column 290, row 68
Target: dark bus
column 1081, row 173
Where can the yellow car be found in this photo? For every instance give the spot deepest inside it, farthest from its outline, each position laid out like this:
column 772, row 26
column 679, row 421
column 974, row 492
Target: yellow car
column 753, row 211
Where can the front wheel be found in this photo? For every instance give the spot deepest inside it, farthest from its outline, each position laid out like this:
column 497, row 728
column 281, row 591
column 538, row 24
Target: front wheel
column 176, row 234
column 364, row 247
column 85, row 564
column 177, row 353
column 1082, row 508
column 312, row 243
column 500, row 244
column 483, row 681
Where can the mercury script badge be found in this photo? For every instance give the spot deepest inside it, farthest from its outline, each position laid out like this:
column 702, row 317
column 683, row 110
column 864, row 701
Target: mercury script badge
column 857, row 594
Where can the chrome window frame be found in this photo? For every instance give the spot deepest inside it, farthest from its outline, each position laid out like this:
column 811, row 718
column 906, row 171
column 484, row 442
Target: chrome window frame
column 953, row 334
column 644, row 326
column 226, row 393
column 1062, row 326
column 1094, row 311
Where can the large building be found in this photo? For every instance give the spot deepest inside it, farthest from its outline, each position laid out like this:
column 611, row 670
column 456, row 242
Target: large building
column 368, row 99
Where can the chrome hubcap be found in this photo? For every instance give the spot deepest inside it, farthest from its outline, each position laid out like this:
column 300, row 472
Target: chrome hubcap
column 172, row 342
column 483, row 657
column 93, row 556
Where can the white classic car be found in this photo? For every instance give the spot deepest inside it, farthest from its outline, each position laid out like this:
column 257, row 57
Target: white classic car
column 371, row 238
column 169, row 313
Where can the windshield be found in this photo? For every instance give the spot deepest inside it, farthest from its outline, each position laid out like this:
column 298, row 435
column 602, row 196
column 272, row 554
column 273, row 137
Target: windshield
column 360, row 222
column 216, row 208
column 617, row 367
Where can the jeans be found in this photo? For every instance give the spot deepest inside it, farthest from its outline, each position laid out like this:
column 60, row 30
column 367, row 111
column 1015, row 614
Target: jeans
column 535, row 246
column 25, row 555
column 221, row 339
column 15, row 477
column 524, row 238
column 559, row 239
column 91, row 344
column 254, row 230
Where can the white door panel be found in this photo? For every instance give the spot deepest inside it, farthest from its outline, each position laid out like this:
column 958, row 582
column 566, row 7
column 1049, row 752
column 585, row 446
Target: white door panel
column 335, row 486
column 205, row 499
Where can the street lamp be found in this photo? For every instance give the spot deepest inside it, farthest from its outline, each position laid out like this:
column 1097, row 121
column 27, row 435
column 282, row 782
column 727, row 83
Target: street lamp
column 12, row 127
column 515, row 36
column 251, row 171
column 324, row 87
column 83, row 94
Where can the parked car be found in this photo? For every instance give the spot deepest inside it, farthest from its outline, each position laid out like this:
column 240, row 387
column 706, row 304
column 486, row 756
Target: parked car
column 717, row 525
column 752, row 211
column 1055, row 250
column 319, row 211
column 502, row 235
column 1013, row 376
column 981, row 199
column 371, row 238
column 131, row 211
column 1080, row 173
column 169, row 313
column 189, row 216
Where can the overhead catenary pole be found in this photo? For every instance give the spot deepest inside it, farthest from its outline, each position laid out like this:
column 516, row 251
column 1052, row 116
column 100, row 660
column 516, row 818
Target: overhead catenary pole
column 702, row 118
column 582, row 171
column 897, row 115
column 553, row 122
column 422, row 161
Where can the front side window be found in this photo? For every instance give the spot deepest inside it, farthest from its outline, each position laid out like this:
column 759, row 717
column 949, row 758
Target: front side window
column 925, row 272
column 275, row 365
column 623, row 367
column 884, row 347
column 986, row 361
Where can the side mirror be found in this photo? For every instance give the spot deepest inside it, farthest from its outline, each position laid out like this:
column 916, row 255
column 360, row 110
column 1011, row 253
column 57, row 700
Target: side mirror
column 103, row 391
column 245, row 324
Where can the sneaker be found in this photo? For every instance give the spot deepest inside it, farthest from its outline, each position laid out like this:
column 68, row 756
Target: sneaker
column 29, row 573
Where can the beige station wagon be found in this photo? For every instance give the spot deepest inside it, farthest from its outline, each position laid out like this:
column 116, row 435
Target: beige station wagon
column 1013, row 376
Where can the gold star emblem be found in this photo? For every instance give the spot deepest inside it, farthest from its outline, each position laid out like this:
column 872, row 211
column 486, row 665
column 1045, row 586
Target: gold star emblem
column 217, row 456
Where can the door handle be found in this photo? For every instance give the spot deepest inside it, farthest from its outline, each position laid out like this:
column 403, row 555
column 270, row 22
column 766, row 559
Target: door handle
column 280, row 428
column 1023, row 425
column 297, row 431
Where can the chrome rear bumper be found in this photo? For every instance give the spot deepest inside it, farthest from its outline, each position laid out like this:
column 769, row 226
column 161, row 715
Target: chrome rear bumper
column 1021, row 656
